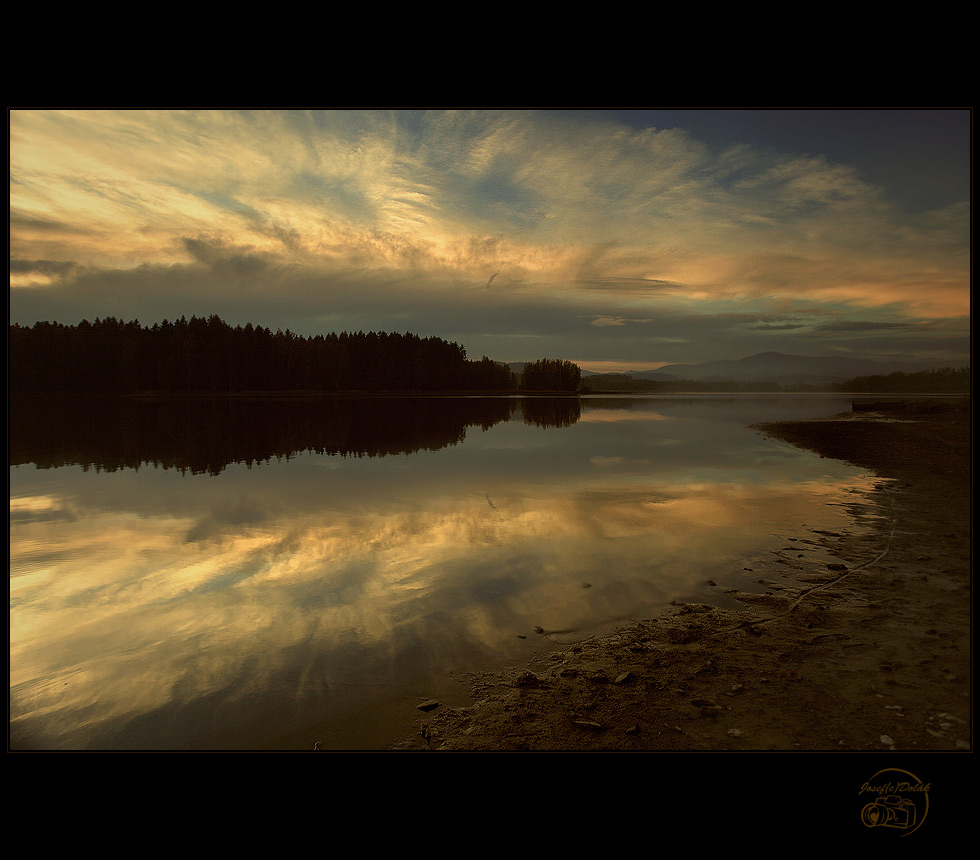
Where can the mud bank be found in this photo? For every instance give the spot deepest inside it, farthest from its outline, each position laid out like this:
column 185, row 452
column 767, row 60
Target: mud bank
column 857, row 640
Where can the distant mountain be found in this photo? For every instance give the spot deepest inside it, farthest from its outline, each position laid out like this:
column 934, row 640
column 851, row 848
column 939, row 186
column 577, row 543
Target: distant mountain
column 657, row 375
column 778, row 367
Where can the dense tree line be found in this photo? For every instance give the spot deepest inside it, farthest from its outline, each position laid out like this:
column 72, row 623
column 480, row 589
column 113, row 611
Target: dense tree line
column 944, row 380
column 112, row 357
column 551, row 374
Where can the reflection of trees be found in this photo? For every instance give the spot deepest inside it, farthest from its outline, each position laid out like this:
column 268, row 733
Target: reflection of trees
column 551, row 411
column 205, row 435
column 606, row 403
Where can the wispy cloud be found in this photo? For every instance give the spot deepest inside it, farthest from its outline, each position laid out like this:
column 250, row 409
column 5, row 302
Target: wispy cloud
column 398, row 216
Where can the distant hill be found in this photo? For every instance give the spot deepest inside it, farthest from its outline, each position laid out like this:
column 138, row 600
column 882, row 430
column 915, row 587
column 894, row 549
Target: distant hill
column 778, row 367
column 762, row 369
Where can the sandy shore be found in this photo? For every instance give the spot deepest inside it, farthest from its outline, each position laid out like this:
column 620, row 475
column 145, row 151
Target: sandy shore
column 856, row 640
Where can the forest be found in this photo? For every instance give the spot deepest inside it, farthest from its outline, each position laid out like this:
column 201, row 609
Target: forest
column 207, row 355
column 943, row 380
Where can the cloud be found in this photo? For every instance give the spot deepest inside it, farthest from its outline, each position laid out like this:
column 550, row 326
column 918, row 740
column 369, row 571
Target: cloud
column 605, row 321
column 391, row 219
column 224, row 260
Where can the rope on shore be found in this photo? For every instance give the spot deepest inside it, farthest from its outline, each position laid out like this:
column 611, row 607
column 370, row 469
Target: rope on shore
column 888, row 543
column 847, row 573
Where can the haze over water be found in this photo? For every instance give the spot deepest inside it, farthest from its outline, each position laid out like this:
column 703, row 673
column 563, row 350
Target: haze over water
column 297, row 573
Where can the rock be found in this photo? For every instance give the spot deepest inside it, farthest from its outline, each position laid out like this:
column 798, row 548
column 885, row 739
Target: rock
column 527, row 679
column 622, row 679
column 428, row 705
column 836, row 567
column 587, row 724
column 686, row 608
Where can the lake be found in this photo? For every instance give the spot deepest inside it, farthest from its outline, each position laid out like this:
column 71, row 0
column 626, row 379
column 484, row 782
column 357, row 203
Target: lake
column 265, row 575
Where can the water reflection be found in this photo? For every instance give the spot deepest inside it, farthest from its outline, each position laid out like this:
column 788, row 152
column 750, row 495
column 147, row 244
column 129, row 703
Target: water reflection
column 315, row 596
column 205, row 435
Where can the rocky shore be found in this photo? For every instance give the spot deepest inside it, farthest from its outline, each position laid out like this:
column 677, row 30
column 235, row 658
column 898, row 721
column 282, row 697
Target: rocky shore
column 857, row 640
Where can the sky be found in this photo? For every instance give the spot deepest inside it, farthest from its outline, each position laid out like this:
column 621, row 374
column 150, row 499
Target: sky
column 615, row 238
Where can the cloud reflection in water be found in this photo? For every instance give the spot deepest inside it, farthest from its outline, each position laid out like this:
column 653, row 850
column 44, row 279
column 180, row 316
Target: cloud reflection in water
column 179, row 611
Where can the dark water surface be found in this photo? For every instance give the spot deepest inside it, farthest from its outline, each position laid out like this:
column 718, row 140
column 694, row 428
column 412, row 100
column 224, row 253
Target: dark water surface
column 264, row 575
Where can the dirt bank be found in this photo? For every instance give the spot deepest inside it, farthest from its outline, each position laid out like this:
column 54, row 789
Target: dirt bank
column 855, row 640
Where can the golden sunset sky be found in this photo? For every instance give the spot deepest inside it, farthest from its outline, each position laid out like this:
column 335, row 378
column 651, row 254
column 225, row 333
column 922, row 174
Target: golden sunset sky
column 614, row 238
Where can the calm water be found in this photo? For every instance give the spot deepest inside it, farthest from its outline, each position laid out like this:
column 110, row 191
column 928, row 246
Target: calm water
column 207, row 576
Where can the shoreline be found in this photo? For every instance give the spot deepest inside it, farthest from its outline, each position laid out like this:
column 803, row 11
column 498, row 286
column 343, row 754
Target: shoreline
column 857, row 641
column 949, row 397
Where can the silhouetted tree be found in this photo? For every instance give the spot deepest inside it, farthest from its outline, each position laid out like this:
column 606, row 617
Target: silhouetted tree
column 206, row 355
column 549, row 374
